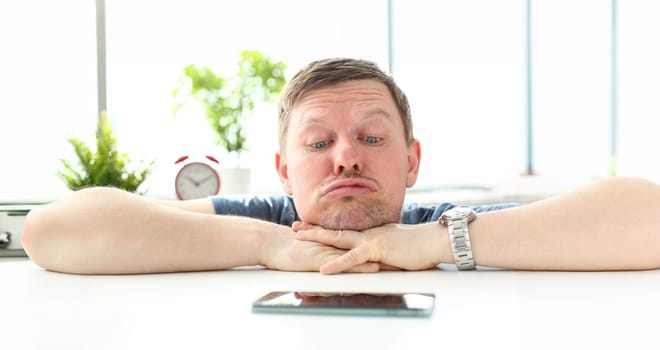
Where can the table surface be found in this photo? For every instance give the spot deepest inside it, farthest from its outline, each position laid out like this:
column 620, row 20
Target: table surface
column 486, row 309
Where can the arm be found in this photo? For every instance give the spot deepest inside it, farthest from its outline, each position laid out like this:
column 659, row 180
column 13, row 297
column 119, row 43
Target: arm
column 612, row 224
column 109, row 231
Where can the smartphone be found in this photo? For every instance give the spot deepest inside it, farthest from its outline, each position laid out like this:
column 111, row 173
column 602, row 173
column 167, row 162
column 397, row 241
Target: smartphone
column 367, row 304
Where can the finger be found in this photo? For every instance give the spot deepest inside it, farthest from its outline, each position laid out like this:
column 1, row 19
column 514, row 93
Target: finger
column 368, row 267
column 385, row 267
column 340, row 238
column 299, row 225
column 345, row 262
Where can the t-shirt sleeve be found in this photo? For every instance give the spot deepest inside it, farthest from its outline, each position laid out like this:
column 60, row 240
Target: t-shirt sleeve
column 276, row 209
column 416, row 214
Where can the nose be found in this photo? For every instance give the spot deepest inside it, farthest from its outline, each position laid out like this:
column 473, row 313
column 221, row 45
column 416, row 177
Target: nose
column 348, row 160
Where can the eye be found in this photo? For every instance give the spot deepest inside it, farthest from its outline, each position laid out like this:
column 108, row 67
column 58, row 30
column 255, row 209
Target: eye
column 372, row 140
column 319, row 145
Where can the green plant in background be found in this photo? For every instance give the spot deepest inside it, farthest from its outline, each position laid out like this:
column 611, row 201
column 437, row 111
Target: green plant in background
column 105, row 167
column 228, row 101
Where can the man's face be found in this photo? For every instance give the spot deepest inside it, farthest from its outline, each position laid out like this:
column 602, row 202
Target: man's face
column 346, row 162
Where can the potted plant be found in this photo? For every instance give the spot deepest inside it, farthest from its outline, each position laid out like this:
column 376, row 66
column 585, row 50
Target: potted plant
column 105, row 167
column 228, row 102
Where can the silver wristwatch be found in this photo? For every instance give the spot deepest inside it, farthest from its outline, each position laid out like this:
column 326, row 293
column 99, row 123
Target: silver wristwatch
column 457, row 220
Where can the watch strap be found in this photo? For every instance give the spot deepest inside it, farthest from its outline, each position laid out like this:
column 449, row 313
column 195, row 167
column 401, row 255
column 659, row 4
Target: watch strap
column 460, row 243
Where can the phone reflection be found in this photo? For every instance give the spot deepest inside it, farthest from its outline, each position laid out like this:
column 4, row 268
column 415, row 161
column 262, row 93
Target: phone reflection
column 350, row 299
column 332, row 303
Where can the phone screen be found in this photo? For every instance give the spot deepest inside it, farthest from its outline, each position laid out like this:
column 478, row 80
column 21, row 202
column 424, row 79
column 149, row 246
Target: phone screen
column 374, row 304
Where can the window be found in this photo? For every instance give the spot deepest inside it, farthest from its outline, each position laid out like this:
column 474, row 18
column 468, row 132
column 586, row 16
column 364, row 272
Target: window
column 639, row 88
column 145, row 61
column 48, row 91
column 463, row 67
column 571, row 88
column 462, row 64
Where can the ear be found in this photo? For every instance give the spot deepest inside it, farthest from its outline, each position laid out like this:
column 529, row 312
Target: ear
column 414, row 157
column 283, row 172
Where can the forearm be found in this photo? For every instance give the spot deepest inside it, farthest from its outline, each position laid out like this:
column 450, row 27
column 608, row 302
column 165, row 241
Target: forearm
column 610, row 225
column 110, row 231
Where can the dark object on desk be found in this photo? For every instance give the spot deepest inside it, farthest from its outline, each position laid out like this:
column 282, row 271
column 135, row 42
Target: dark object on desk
column 5, row 239
column 333, row 303
column 12, row 218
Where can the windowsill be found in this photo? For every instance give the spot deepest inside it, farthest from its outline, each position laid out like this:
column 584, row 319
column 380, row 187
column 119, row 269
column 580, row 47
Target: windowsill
column 523, row 189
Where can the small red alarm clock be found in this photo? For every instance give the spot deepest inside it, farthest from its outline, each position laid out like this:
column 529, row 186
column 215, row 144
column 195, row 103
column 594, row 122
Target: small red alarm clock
column 197, row 178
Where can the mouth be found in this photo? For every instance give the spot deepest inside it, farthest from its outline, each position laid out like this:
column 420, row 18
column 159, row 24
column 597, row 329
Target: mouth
column 349, row 187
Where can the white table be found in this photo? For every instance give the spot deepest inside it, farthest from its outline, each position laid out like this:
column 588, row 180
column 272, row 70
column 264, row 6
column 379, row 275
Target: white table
column 211, row 310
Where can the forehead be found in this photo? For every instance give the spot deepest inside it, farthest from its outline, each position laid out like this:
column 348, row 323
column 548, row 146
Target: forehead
column 351, row 96
column 353, row 89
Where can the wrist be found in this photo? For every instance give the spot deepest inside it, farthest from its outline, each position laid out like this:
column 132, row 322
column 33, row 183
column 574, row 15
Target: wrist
column 439, row 249
column 260, row 242
column 457, row 221
column 266, row 238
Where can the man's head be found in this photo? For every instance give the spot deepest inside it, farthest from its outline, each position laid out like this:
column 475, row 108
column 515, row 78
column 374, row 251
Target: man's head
column 347, row 153
column 328, row 72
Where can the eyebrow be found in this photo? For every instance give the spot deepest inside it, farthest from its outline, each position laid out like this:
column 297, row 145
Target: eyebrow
column 313, row 118
column 378, row 111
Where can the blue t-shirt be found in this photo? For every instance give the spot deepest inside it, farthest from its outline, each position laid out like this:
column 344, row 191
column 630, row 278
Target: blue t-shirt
column 281, row 209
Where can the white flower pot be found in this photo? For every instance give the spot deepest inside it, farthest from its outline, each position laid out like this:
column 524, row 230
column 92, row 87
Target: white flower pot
column 235, row 180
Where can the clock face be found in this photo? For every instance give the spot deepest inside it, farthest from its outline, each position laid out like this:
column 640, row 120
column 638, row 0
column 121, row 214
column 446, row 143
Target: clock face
column 196, row 180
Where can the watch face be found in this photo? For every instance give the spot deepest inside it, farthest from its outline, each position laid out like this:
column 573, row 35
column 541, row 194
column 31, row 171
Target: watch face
column 462, row 212
column 457, row 213
column 196, row 180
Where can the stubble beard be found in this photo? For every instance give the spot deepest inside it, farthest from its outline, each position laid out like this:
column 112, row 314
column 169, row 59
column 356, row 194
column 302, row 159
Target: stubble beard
column 356, row 214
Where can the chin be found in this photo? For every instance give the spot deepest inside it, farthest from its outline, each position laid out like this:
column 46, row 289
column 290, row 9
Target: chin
column 356, row 215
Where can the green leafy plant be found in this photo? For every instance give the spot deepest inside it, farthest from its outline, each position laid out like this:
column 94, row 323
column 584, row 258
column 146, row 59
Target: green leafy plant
column 105, row 167
column 228, row 101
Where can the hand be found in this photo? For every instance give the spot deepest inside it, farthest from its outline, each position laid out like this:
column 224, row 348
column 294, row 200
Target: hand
column 408, row 247
column 282, row 251
column 192, row 180
column 206, row 178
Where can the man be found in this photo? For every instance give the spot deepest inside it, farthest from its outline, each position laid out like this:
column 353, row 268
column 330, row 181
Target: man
column 347, row 154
